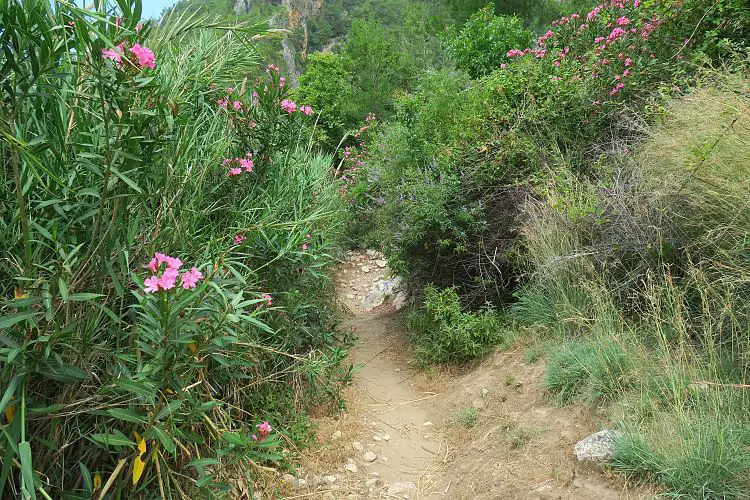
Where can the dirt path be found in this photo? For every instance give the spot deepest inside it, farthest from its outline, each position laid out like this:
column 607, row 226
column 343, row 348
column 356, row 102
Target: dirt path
column 488, row 433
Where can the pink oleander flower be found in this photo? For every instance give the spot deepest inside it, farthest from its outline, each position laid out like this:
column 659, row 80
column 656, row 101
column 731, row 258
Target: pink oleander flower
column 222, row 102
column 515, row 53
column 307, row 110
column 168, row 279
column 191, row 278
column 239, row 238
column 267, row 297
column 628, row 61
column 112, row 54
column 246, row 164
column 289, row 106
column 305, row 247
column 636, row 3
column 153, row 265
column 152, row 284
column 253, row 124
column 234, row 171
column 237, row 105
column 623, row 21
column 144, row 55
column 282, row 81
column 264, row 430
column 626, row 72
column 308, row 236
column 616, row 88
column 616, row 33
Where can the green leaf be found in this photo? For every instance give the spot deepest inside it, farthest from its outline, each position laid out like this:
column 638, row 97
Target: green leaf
column 27, row 469
column 166, row 439
column 110, row 439
column 143, row 389
column 172, row 407
column 127, row 415
column 86, row 475
column 9, row 392
column 12, row 319
column 236, row 439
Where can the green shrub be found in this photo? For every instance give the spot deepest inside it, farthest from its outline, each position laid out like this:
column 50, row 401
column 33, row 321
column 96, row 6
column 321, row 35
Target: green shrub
column 111, row 162
column 444, row 334
column 483, row 41
column 467, row 417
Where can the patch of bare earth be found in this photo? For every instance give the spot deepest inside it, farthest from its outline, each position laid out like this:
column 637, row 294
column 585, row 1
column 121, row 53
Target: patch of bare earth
column 485, row 433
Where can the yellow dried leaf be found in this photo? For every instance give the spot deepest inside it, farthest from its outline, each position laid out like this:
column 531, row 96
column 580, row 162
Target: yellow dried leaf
column 193, row 348
column 19, row 293
column 137, row 436
column 97, row 481
column 169, row 390
column 10, row 412
column 138, row 466
column 141, row 447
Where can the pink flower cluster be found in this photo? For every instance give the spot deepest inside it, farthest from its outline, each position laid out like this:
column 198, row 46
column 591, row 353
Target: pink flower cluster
column 170, row 271
column 144, row 56
column 289, row 106
column 239, row 238
column 267, row 297
column 235, row 166
column 264, row 430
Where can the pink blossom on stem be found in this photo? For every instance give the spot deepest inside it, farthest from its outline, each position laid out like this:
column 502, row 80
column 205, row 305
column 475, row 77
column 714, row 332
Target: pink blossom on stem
column 289, row 106
column 152, row 284
column 145, row 56
column 267, row 297
column 239, row 238
column 191, row 278
column 237, row 105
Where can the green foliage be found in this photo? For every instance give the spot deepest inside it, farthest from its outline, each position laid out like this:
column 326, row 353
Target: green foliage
column 444, row 334
column 326, row 85
column 481, row 44
column 105, row 163
column 467, row 417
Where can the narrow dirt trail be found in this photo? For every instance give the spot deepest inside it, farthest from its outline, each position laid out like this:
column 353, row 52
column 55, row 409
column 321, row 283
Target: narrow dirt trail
column 402, row 436
column 399, row 415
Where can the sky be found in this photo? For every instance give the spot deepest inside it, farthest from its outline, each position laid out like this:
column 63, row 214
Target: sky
column 152, row 8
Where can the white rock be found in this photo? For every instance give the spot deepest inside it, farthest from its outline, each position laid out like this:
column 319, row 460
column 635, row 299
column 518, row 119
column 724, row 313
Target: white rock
column 377, row 438
column 399, row 301
column 485, row 391
column 397, row 370
column 365, row 269
column 428, row 423
column 350, row 467
column 599, row 446
column 357, row 445
column 398, row 488
column 381, row 263
column 370, row 456
column 289, row 479
column 330, row 479
column 336, row 435
column 370, row 483
column 386, row 437
column 375, row 474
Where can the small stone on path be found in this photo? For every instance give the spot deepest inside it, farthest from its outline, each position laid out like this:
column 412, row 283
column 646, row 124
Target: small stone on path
column 381, row 263
column 370, row 456
column 598, row 447
column 365, row 269
column 386, row 437
column 350, row 467
column 371, row 482
column 428, row 423
column 357, row 445
column 336, row 435
column 397, row 488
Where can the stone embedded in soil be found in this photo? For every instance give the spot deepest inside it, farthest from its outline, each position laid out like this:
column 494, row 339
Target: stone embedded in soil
column 372, row 482
column 381, row 263
column 336, row 435
column 598, row 447
column 428, row 424
column 357, row 445
column 350, row 467
column 365, row 269
column 386, row 437
column 370, row 456
column 398, row 488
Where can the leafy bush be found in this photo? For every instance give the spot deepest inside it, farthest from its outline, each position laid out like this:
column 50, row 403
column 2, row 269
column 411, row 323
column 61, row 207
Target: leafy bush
column 444, row 334
column 481, row 45
column 123, row 138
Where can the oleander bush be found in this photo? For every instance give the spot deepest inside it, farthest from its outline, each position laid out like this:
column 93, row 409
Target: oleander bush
column 166, row 237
